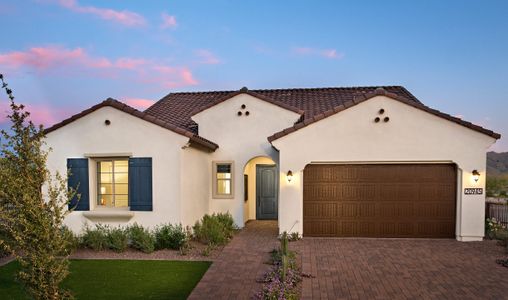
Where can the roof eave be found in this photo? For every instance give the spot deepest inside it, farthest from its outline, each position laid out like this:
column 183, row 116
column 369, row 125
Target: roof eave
column 194, row 139
column 244, row 90
column 381, row 92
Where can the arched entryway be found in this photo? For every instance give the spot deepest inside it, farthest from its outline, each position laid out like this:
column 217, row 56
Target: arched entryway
column 261, row 189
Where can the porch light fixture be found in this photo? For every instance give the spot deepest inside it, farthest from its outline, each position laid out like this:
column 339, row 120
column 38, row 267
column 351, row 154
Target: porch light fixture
column 476, row 175
column 289, row 176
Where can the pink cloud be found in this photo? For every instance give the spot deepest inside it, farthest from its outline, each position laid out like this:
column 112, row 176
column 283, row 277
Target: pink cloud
column 187, row 77
column 39, row 113
column 45, row 58
column 168, row 21
column 326, row 53
column 123, row 17
column 207, row 57
column 171, row 77
column 130, row 63
column 54, row 59
column 139, row 103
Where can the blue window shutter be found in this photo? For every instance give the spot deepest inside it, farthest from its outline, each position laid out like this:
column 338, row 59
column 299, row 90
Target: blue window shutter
column 79, row 179
column 140, row 183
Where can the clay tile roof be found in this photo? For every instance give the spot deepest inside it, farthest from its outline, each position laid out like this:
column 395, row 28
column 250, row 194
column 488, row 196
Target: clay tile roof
column 194, row 139
column 177, row 108
column 394, row 95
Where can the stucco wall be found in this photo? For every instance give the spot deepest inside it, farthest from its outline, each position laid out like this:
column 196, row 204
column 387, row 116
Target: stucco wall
column 196, row 178
column 126, row 134
column 240, row 139
column 411, row 135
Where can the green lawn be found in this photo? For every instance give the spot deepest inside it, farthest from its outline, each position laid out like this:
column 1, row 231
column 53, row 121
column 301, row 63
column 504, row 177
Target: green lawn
column 119, row 279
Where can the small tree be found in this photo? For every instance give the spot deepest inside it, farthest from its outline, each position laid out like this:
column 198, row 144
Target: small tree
column 32, row 219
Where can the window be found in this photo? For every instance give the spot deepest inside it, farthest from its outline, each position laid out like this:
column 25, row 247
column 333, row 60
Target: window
column 113, row 183
column 223, row 180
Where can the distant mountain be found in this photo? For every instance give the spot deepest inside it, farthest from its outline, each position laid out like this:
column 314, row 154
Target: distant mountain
column 497, row 163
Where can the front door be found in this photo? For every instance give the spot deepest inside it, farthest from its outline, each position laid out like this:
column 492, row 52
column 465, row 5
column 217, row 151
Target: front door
column 266, row 192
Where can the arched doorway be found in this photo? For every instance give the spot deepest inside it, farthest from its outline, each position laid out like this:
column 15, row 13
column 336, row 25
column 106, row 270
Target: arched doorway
column 261, row 189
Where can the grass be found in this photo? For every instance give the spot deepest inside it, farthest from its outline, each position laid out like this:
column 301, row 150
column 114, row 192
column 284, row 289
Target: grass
column 118, row 279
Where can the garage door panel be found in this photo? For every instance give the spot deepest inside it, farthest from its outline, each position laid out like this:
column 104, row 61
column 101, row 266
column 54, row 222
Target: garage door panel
column 320, row 209
column 435, row 229
column 321, row 227
column 379, row 200
column 355, row 210
column 396, row 210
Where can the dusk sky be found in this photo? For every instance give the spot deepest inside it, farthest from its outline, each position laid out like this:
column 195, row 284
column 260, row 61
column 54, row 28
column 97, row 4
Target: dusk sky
column 63, row 56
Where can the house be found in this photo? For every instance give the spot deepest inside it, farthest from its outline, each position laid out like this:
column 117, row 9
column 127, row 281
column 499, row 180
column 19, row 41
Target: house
column 359, row 162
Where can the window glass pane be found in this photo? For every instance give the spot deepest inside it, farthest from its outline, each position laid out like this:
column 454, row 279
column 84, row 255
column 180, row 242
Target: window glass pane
column 106, row 200
column 106, row 178
column 223, row 175
column 106, row 189
column 106, row 166
column 223, row 186
column 121, row 166
column 121, row 201
column 223, row 168
column 121, row 177
column 121, row 188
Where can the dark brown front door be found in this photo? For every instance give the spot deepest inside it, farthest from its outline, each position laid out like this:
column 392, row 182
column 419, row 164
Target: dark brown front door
column 379, row 200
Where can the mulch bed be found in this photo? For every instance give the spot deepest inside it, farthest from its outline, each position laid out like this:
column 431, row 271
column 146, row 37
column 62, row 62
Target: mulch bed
column 195, row 252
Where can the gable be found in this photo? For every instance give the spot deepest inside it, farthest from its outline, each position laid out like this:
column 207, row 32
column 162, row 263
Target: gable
column 382, row 92
column 243, row 116
column 408, row 133
column 122, row 108
column 252, row 94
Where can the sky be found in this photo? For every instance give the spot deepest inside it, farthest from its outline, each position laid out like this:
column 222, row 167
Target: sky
column 63, row 56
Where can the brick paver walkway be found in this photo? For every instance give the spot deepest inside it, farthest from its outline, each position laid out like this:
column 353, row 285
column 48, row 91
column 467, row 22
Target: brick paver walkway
column 401, row 269
column 233, row 274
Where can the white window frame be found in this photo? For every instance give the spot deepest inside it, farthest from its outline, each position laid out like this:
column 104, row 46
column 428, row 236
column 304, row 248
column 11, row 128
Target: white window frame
column 215, row 194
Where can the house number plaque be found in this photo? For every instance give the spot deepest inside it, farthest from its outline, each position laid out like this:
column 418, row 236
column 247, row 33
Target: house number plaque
column 473, row 191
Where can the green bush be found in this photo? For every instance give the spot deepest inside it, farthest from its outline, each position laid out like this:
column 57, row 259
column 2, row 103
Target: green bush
column 140, row 238
column 216, row 229
column 226, row 219
column 71, row 240
column 4, row 241
column 118, row 239
column 169, row 236
column 96, row 238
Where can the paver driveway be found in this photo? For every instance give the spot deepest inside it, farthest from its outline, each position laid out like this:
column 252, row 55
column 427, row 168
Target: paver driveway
column 401, row 269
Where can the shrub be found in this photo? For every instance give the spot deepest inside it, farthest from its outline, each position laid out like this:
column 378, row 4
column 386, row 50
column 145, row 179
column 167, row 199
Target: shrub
column 140, row 238
column 216, row 229
column 71, row 240
column 169, row 236
column 3, row 244
column 226, row 219
column 294, row 236
column 118, row 240
column 492, row 226
column 96, row 239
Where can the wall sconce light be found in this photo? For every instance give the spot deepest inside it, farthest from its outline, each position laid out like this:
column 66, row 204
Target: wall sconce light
column 289, row 176
column 476, row 175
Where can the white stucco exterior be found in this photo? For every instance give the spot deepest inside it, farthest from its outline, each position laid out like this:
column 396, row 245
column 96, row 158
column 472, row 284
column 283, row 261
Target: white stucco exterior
column 241, row 138
column 411, row 135
column 127, row 135
column 183, row 177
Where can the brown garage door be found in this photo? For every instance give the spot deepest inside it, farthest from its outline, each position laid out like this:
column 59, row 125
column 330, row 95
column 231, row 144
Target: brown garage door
column 379, row 200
